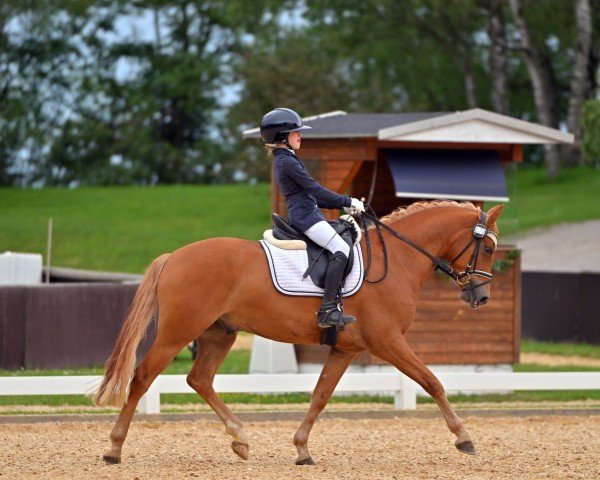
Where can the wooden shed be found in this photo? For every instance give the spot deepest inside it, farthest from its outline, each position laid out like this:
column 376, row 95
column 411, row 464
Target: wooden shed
column 398, row 158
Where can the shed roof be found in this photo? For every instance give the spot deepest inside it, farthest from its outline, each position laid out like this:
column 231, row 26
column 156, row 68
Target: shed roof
column 475, row 125
column 340, row 124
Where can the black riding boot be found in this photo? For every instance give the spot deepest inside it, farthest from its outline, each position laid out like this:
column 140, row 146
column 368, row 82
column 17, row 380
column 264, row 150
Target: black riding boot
column 330, row 314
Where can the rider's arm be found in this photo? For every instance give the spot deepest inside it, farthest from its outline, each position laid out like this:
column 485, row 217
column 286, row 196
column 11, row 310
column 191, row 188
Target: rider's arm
column 325, row 198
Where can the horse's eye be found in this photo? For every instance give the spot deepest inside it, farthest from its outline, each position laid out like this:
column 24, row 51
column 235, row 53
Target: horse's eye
column 489, row 250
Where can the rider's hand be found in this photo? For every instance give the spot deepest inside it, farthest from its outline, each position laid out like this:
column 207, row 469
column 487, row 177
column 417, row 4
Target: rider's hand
column 356, row 206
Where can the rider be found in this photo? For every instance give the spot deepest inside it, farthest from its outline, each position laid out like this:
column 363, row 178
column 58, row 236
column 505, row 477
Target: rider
column 280, row 131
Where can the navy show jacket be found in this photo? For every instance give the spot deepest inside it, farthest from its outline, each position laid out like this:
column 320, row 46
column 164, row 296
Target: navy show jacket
column 303, row 194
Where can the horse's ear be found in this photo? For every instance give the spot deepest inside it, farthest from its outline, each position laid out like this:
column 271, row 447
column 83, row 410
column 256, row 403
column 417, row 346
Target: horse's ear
column 493, row 214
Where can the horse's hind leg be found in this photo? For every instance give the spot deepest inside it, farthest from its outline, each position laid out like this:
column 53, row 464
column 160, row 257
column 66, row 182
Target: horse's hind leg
column 398, row 353
column 155, row 362
column 335, row 365
column 213, row 346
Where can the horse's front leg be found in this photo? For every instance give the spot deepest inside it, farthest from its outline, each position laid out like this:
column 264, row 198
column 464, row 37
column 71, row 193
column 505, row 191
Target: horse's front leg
column 398, row 353
column 335, row 365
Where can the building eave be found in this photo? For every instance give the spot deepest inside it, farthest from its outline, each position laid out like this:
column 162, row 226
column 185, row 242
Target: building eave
column 441, row 129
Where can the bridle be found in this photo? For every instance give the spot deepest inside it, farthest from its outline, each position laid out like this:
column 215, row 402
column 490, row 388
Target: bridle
column 463, row 279
column 480, row 231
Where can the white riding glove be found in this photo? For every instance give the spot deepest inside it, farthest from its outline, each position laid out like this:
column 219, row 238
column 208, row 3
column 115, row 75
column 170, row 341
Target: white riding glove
column 356, row 206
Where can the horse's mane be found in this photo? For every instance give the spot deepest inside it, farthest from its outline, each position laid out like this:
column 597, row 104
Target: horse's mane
column 420, row 206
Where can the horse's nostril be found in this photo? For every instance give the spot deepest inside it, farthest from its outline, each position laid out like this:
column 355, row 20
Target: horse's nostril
column 484, row 300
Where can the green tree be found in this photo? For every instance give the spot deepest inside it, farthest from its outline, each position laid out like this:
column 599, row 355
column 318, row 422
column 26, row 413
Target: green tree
column 291, row 71
column 437, row 55
column 36, row 48
column 154, row 125
column 591, row 128
column 82, row 102
column 75, row 119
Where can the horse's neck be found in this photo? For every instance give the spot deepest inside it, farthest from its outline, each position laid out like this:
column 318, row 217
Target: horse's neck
column 434, row 230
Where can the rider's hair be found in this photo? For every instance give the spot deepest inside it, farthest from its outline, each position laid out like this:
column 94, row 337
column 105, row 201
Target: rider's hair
column 269, row 147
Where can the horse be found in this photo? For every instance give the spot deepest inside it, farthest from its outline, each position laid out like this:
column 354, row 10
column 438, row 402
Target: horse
column 211, row 289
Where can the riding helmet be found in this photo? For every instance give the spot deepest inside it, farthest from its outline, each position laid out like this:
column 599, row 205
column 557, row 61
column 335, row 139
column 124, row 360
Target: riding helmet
column 275, row 125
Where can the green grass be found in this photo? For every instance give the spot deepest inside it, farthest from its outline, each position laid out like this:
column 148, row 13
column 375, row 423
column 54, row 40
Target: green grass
column 522, row 396
column 534, row 367
column 537, row 202
column 124, row 228
column 237, row 361
column 569, row 349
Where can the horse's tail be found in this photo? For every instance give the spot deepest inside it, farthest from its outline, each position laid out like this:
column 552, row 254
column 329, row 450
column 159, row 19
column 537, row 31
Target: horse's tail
column 119, row 367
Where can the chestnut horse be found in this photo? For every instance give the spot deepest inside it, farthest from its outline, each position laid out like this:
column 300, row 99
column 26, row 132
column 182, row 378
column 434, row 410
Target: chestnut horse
column 214, row 288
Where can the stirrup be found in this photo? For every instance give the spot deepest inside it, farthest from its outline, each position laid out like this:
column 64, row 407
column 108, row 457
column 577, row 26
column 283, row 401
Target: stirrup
column 327, row 318
column 324, row 318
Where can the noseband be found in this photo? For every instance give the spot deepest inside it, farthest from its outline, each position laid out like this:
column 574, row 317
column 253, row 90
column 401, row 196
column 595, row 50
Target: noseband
column 463, row 279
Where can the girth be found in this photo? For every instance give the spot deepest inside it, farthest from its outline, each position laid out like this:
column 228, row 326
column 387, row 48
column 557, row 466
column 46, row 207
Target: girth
column 318, row 257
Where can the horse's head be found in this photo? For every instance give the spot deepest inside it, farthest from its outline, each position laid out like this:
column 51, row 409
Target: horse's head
column 472, row 254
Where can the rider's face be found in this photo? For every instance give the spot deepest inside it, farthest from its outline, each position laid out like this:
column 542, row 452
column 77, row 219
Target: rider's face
column 294, row 140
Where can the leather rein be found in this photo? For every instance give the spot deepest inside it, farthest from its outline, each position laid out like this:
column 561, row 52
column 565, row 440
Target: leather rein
column 463, row 279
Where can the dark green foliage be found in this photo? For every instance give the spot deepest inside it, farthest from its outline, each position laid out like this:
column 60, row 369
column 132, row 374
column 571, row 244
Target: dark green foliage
column 87, row 100
column 591, row 136
column 154, row 125
column 503, row 265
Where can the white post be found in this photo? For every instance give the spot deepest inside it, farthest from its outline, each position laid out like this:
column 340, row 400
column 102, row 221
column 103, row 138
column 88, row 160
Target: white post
column 406, row 397
column 150, row 402
column 21, row 268
column 269, row 356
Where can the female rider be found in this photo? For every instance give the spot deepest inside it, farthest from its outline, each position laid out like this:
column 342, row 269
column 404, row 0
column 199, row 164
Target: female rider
column 280, row 131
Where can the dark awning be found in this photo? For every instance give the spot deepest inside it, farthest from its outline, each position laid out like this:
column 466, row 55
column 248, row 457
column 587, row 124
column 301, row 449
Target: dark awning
column 451, row 174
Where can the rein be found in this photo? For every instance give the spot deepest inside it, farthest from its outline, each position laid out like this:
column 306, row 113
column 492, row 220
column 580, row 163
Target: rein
column 374, row 218
column 463, row 278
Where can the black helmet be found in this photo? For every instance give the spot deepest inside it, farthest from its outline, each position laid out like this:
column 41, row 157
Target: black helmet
column 275, row 124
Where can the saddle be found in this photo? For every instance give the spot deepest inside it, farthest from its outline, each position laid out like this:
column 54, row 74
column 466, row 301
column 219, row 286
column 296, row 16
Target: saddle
column 318, row 257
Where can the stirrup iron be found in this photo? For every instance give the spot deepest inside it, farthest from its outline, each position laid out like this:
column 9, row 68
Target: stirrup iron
column 334, row 317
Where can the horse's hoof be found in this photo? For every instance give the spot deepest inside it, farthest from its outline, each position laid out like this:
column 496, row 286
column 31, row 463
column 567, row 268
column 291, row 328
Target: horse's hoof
column 240, row 449
column 467, row 447
column 111, row 459
column 306, row 461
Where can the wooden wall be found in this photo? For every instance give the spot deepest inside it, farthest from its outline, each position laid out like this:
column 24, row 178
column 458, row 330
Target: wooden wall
column 59, row 325
column 347, row 165
column 384, row 199
column 447, row 331
column 561, row 307
column 333, row 163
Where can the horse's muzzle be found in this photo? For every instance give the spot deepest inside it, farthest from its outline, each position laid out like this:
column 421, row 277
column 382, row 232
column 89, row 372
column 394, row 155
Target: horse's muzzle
column 475, row 294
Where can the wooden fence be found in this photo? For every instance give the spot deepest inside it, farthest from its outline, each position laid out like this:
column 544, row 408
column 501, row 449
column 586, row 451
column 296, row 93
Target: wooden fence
column 74, row 325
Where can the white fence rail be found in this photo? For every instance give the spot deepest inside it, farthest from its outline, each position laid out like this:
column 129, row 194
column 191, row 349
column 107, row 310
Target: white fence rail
column 404, row 390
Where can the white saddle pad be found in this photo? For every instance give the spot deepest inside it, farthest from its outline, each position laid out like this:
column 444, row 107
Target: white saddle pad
column 288, row 266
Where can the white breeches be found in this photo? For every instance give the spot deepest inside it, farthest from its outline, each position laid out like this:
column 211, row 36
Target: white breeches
column 324, row 235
